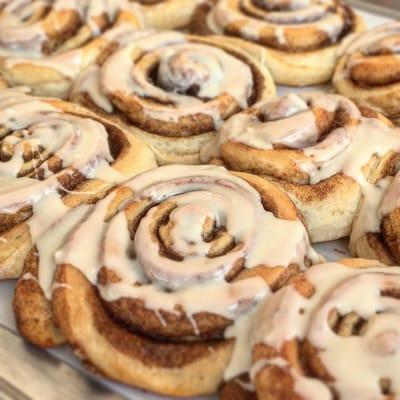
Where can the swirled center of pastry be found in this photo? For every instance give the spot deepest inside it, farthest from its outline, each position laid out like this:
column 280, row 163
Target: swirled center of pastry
column 188, row 71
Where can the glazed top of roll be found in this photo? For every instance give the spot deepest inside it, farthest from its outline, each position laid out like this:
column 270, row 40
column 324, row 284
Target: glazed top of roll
column 319, row 135
column 172, row 84
column 182, row 251
column 51, row 149
column 289, row 25
column 350, row 346
column 372, row 57
column 37, row 27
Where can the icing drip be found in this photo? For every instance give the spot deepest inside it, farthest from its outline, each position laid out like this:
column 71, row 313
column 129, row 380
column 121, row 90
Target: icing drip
column 182, row 67
column 356, row 362
column 193, row 279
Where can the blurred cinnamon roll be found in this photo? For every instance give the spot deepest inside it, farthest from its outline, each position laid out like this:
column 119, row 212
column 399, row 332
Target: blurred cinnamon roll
column 296, row 39
column 323, row 150
column 54, row 156
column 44, row 44
column 172, row 90
column 369, row 69
column 178, row 257
column 333, row 333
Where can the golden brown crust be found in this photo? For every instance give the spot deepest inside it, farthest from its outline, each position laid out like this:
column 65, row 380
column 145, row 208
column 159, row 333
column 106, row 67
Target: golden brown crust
column 328, row 206
column 129, row 337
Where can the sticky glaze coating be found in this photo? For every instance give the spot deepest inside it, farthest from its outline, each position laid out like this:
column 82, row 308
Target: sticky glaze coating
column 171, row 274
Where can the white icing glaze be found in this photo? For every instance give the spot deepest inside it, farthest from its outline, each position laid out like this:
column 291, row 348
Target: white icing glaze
column 197, row 283
column 356, row 363
column 182, row 65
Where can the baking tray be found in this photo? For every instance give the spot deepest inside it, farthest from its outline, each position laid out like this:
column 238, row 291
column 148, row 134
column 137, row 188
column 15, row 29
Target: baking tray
column 332, row 251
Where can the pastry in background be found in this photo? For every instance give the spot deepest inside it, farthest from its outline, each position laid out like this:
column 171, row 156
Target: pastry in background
column 172, row 90
column 368, row 70
column 332, row 157
column 297, row 40
column 33, row 53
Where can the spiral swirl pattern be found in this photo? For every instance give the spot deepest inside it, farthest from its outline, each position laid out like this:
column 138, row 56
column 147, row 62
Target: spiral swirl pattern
column 175, row 250
column 170, row 84
column 286, row 25
column 350, row 346
column 171, row 89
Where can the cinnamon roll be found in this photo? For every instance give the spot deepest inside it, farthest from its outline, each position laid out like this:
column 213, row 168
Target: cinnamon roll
column 172, row 90
column 333, row 333
column 178, row 258
column 54, row 156
column 297, row 39
column 322, row 149
column 167, row 14
column 44, row 44
column 369, row 69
